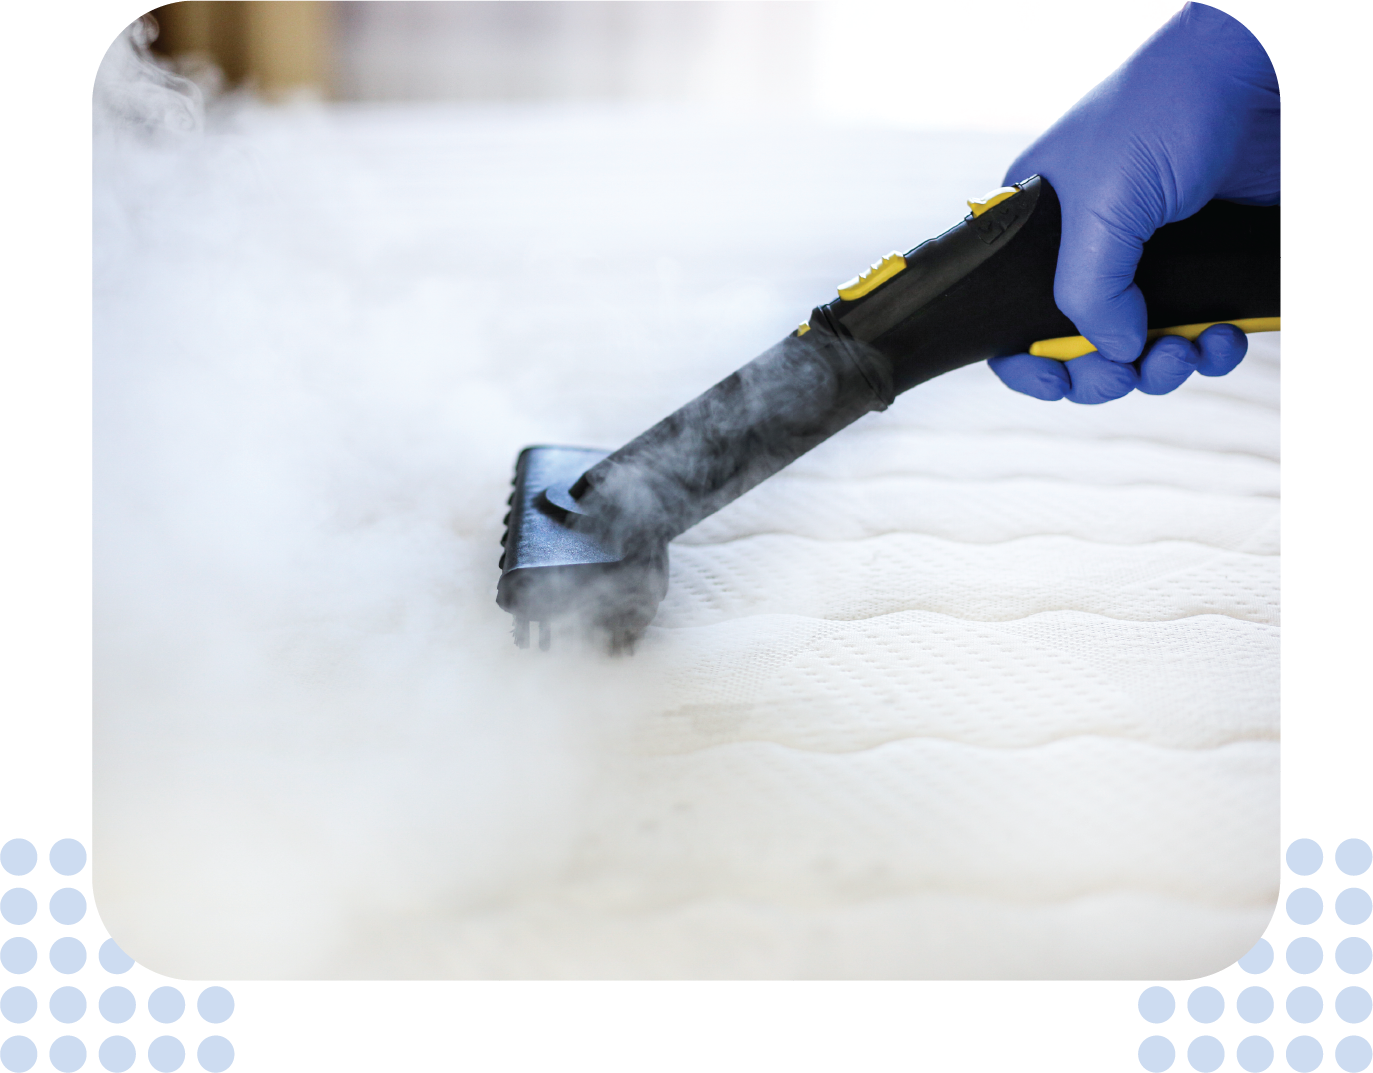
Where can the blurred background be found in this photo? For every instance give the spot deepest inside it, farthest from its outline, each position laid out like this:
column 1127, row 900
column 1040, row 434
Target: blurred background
column 1001, row 67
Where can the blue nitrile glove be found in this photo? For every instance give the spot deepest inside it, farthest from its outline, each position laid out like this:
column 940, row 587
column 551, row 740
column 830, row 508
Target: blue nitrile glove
column 1191, row 116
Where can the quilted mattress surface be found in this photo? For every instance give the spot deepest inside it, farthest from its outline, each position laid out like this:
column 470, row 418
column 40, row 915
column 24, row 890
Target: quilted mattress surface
column 982, row 687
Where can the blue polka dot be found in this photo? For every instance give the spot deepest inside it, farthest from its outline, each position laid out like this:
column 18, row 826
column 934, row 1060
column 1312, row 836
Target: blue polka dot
column 1258, row 959
column 67, row 857
column 18, row 1004
column 117, row 1004
column 67, row 906
column 1254, row 1054
column 1304, row 1054
column 1353, row 1054
column 18, row 954
column 1304, row 856
column 18, row 1054
column 215, row 1005
column 1254, row 1004
column 166, row 1054
column 166, row 1004
column 1156, row 1054
column 67, row 1054
column 1304, row 906
column 113, row 959
column 215, row 1054
column 1353, row 906
column 1353, row 1004
column 1205, row 1004
column 1156, row 1005
column 1205, row 1054
column 67, row 1005
column 17, row 857
column 117, row 1054
column 1304, row 955
column 67, row 955
column 18, row 906
column 1304, row 1005
column 1353, row 954
column 1353, row 857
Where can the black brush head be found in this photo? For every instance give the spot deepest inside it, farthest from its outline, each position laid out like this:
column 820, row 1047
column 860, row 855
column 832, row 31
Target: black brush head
column 559, row 566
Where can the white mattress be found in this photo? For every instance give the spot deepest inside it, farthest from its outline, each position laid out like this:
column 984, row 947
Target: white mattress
column 982, row 687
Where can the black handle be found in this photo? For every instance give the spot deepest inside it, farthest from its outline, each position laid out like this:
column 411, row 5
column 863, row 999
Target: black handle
column 983, row 289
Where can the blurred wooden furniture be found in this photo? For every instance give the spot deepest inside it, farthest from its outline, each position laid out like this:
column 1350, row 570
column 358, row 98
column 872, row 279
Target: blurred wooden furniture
column 278, row 47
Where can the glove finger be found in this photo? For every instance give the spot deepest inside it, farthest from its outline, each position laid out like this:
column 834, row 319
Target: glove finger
column 1094, row 285
column 1095, row 379
column 1222, row 347
column 1042, row 378
column 1169, row 362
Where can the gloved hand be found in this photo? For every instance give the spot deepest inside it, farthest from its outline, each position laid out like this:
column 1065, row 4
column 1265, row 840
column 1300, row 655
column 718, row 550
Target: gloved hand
column 1191, row 116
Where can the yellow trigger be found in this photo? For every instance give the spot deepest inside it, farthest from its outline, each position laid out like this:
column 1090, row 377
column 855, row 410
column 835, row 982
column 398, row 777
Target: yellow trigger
column 872, row 277
column 1068, row 347
column 991, row 200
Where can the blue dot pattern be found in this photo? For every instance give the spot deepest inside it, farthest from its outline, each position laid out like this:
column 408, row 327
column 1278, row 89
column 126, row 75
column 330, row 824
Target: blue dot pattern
column 1156, row 1054
column 1254, row 1004
column 1304, row 857
column 1353, row 906
column 67, row 857
column 1353, row 1054
column 18, row 906
column 215, row 1005
column 1254, row 1054
column 1304, row 906
column 112, row 959
column 165, row 1054
column 1205, row 1054
column 18, row 955
column 1353, row 1004
column 68, row 906
column 215, row 1054
column 67, row 1005
column 17, row 857
column 1353, row 954
column 1304, row 955
column 1205, row 1004
column 1304, row 1054
column 117, row 1005
column 18, row 1053
column 67, row 955
column 1156, row 1005
column 1304, row 1005
column 18, row 1004
column 117, row 1054
column 1352, row 857
column 166, row 1005
column 67, row 1054
column 1259, row 958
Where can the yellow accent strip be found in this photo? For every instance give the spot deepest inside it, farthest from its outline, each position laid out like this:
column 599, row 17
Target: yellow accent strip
column 992, row 199
column 805, row 327
column 1068, row 347
column 872, row 278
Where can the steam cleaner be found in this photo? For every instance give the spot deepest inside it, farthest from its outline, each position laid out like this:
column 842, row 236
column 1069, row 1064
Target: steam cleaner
column 587, row 535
